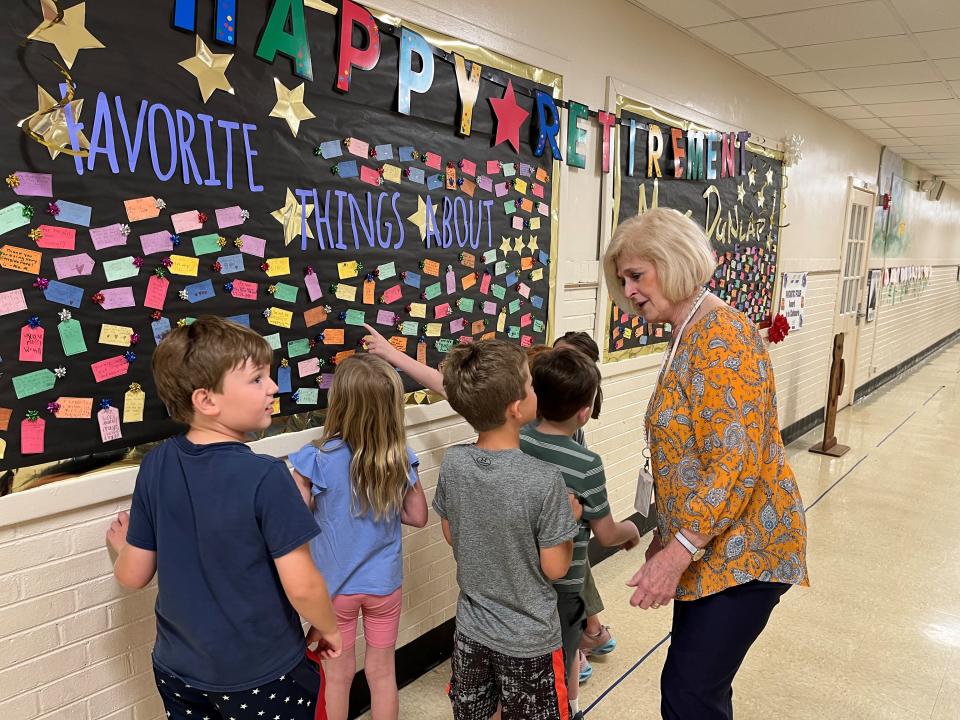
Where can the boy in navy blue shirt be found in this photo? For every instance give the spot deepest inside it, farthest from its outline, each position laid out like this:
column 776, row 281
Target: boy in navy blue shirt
column 227, row 533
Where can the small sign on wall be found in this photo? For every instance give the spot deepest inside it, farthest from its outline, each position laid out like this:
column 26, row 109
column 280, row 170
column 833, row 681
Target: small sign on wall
column 873, row 292
column 793, row 293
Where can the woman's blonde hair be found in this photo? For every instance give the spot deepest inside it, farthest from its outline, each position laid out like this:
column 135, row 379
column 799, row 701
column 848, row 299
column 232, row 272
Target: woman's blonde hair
column 672, row 242
column 365, row 410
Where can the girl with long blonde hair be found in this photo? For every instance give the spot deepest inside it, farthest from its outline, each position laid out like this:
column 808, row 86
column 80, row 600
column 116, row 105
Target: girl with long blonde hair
column 360, row 479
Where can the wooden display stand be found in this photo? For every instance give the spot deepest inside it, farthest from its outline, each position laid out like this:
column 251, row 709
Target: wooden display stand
column 829, row 445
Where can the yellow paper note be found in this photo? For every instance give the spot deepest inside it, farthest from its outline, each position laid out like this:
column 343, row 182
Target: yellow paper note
column 133, row 406
column 434, row 329
column 183, row 265
column 347, row 270
column 276, row 406
column 280, row 317
column 278, row 266
column 627, row 333
column 346, row 292
column 520, row 186
column 535, row 223
column 115, row 335
column 418, row 310
column 3, row 448
column 536, row 274
column 391, row 173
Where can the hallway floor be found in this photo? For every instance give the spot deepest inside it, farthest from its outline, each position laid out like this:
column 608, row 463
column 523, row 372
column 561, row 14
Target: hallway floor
column 877, row 635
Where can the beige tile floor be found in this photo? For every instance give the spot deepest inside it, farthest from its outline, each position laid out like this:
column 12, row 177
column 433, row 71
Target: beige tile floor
column 877, row 636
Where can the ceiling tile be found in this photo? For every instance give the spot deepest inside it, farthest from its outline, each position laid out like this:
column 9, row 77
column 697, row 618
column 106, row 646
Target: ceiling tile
column 878, row 134
column 687, row 13
column 922, row 107
column 876, row 75
column 830, row 24
column 858, row 53
column 901, row 93
column 910, row 121
column 941, row 43
column 826, row 99
column 956, row 86
column 949, row 68
column 928, row 14
column 932, row 132
column 802, row 82
column 752, row 8
column 864, row 123
column 732, row 38
column 771, row 62
column 846, row 112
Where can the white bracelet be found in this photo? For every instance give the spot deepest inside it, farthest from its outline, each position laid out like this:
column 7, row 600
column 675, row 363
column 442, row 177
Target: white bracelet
column 691, row 548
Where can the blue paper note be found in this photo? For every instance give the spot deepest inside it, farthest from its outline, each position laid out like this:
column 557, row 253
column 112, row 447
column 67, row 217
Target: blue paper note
column 240, row 320
column 406, row 153
column 283, row 380
column 231, row 263
column 74, row 213
column 536, row 301
column 331, row 149
column 411, row 279
column 511, row 279
column 160, row 328
column 434, row 182
column 544, row 258
column 416, row 175
column 384, row 152
column 348, row 169
column 64, row 294
column 200, row 291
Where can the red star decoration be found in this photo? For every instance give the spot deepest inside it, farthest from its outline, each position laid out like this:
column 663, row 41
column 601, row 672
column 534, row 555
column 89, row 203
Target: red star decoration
column 510, row 117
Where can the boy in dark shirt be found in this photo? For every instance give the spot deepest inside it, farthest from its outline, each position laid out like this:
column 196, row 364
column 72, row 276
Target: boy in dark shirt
column 227, row 533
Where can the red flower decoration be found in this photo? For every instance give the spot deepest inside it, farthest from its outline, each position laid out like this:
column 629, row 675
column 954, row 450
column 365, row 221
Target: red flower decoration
column 779, row 329
column 156, row 315
column 217, row 267
column 201, row 217
column 265, row 266
column 98, row 298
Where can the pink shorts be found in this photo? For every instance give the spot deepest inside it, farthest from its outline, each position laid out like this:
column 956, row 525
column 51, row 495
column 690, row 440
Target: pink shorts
column 381, row 618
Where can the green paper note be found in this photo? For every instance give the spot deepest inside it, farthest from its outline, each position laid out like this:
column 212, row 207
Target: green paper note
column 387, row 271
column 355, row 317
column 120, row 269
column 465, row 305
column 410, row 327
column 509, row 169
column 432, row 291
column 538, row 325
column 71, row 335
column 296, row 348
column 11, row 218
column 513, row 332
column 513, row 307
column 285, row 292
column 308, row 396
column 273, row 340
column 499, row 291
column 510, row 207
column 34, row 383
column 500, row 268
column 206, row 244
column 443, row 345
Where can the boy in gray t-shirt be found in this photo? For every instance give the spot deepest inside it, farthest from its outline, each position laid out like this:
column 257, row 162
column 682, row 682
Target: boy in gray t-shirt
column 509, row 521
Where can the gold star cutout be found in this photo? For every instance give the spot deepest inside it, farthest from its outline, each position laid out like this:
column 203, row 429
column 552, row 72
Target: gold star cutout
column 505, row 245
column 52, row 126
column 769, row 176
column 532, row 245
column 69, row 35
column 753, row 176
column 741, row 193
column 291, row 217
column 419, row 218
column 290, row 106
column 760, row 198
column 209, row 69
column 518, row 244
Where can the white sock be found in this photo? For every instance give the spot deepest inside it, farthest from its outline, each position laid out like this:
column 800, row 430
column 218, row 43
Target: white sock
column 574, row 705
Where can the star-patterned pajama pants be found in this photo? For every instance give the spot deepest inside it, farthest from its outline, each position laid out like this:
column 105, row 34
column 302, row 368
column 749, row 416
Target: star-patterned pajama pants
column 292, row 696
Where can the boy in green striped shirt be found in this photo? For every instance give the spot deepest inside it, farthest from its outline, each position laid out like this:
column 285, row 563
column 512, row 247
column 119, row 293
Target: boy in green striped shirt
column 566, row 382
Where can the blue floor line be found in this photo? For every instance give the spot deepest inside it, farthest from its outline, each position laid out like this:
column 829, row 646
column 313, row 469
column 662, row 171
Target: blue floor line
column 623, row 677
column 837, row 482
column 896, row 428
column 935, row 394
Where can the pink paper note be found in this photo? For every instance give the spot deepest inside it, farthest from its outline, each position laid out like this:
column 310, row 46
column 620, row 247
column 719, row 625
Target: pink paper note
column 524, row 290
column 485, row 183
column 156, row 242
column 12, row 301
column 369, row 175
column 433, row 160
column 37, row 184
column 57, row 238
column 109, row 236
column 543, row 209
column 493, row 167
column 156, row 292
column 517, row 222
column 109, row 421
column 359, row 148
column 489, row 307
column 525, row 320
column 253, row 245
column 441, row 311
column 384, row 317
column 110, row 368
column 308, row 367
column 31, row 436
column 244, row 290
column 457, row 325
column 451, row 280
column 537, row 190
column 73, row 265
column 392, row 294
column 229, row 217
column 501, row 189
column 312, row 283
column 468, row 167
column 31, row 344
column 114, row 298
column 186, row 221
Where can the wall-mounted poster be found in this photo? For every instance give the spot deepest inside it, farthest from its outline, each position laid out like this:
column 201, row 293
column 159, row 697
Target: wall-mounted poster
column 793, row 293
column 732, row 187
column 873, row 292
column 299, row 167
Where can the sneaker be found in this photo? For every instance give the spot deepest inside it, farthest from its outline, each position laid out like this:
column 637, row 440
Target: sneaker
column 600, row 644
column 578, row 716
column 586, row 669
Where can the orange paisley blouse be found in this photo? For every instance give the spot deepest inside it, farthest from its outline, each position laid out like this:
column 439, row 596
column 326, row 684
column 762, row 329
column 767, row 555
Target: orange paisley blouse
column 718, row 460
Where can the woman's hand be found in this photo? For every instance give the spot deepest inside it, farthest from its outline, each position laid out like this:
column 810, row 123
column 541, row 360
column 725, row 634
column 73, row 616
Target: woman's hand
column 654, row 546
column 656, row 581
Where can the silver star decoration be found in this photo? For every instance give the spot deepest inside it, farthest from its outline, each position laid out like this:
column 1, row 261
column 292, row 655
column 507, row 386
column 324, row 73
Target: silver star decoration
column 161, row 204
column 65, row 315
column 184, row 295
column 125, row 230
column 60, row 372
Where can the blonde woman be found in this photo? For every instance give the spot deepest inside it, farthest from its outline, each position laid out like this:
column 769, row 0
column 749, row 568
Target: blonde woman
column 360, row 479
column 731, row 536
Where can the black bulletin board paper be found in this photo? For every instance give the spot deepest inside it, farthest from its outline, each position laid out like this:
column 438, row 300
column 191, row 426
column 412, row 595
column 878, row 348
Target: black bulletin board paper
column 140, row 63
column 745, row 235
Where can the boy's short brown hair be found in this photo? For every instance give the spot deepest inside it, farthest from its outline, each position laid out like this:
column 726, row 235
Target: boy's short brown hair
column 198, row 356
column 565, row 381
column 587, row 345
column 481, row 379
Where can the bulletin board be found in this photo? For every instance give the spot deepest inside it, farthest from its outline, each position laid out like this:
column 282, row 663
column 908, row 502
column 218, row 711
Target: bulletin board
column 739, row 209
column 222, row 158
